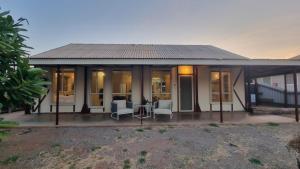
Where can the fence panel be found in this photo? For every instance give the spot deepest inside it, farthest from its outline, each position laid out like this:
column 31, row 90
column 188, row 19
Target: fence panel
column 269, row 95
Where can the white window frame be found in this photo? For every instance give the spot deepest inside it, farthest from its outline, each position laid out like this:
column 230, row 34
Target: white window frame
column 161, row 69
column 90, row 88
column 53, row 72
column 122, row 70
column 230, row 84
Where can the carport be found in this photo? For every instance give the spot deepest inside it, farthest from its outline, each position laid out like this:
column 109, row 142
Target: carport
column 264, row 68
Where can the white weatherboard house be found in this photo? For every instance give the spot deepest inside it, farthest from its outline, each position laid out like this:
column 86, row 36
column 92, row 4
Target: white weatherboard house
column 193, row 77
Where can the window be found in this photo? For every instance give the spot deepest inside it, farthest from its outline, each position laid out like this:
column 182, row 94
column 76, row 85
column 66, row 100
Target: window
column 97, row 88
column 121, row 85
column 226, row 87
column 161, row 85
column 66, row 86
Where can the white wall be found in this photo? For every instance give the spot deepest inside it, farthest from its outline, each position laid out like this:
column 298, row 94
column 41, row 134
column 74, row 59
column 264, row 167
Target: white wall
column 147, row 82
column 79, row 96
column 174, row 89
column 204, row 90
column 107, row 88
column 79, row 88
column 240, row 89
column 45, row 105
column 136, row 85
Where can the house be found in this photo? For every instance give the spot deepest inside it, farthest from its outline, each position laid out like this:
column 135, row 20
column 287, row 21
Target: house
column 92, row 75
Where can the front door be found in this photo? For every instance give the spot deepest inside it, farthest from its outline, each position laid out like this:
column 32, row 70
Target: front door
column 186, row 101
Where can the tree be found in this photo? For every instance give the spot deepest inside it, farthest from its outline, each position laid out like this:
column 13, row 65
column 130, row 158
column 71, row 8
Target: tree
column 20, row 84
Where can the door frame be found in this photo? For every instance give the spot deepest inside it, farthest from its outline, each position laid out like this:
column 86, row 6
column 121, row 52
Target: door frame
column 179, row 93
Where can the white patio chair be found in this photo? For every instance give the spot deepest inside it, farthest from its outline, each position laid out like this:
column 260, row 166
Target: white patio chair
column 163, row 107
column 121, row 107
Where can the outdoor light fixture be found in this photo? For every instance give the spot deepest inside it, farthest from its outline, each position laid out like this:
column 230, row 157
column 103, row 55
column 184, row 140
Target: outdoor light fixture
column 185, row 70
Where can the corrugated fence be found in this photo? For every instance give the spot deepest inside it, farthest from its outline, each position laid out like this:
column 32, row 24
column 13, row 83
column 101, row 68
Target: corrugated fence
column 269, row 95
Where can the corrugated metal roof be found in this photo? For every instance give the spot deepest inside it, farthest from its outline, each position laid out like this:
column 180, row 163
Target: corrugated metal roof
column 137, row 51
column 95, row 61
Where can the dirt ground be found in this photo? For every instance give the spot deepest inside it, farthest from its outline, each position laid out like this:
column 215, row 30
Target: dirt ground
column 201, row 146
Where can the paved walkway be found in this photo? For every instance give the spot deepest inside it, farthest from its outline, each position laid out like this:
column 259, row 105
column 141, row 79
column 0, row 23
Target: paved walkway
column 76, row 119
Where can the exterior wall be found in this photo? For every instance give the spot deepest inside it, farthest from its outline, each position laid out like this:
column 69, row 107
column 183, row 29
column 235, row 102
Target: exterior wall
column 79, row 89
column 45, row 105
column 136, row 85
column 147, row 82
column 174, row 89
column 107, row 88
column 240, row 89
column 203, row 89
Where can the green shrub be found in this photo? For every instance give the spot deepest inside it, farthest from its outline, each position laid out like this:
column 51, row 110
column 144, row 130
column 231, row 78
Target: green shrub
column 10, row 160
column 8, row 124
column 3, row 134
column 143, row 153
column 126, row 164
column 272, row 124
column 96, row 148
column 255, row 161
column 161, row 131
column 142, row 160
column 139, row 130
column 214, row 125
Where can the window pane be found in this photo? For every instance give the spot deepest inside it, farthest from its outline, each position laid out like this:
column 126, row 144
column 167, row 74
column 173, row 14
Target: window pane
column 215, row 97
column 66, row 86
column 96, row 99
column 97, row 88
column 68, row 83
column 215, row 82
column 161, row 85
column 226, row 87
column 94, row 82
column 121, row 85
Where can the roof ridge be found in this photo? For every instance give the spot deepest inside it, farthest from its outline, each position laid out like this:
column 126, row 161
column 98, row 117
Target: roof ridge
column 146, row 44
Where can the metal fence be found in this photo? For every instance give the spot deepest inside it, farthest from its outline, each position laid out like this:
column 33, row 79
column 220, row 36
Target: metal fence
column 274, row 96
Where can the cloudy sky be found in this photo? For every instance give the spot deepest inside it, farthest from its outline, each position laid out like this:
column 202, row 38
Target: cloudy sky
column 253, row 28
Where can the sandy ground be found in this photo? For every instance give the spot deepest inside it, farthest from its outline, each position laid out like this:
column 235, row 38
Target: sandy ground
column 199, row 146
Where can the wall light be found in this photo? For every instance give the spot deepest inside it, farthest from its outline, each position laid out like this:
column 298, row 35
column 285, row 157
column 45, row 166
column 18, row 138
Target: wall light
column 185, row 70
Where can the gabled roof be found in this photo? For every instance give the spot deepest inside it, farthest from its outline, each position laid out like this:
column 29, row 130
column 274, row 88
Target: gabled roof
column 137, row 51
column 141, row 54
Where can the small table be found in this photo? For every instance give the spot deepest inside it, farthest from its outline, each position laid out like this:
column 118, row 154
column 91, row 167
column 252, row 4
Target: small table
column 144, row 114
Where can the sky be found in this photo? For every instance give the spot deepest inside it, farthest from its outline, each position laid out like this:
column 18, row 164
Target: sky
column 252, row 28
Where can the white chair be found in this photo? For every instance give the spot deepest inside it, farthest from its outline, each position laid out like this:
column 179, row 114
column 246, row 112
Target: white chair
column 121, row 107
column 163, row 107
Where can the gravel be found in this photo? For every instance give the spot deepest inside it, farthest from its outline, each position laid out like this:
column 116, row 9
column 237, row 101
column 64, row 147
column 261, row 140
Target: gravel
column 201, row 146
